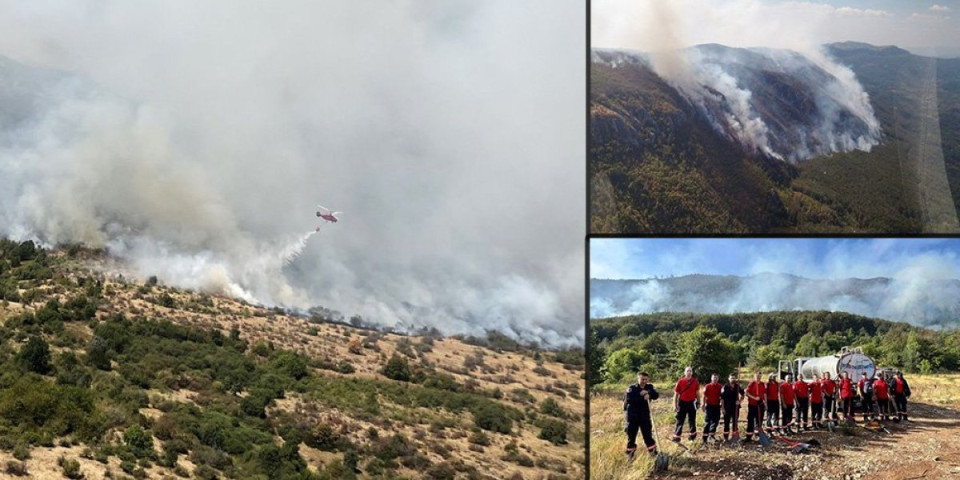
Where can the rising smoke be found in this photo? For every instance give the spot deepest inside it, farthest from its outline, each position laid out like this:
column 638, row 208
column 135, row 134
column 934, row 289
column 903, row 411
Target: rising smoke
column 924, row 291
column 194, row 139
column 722, row 82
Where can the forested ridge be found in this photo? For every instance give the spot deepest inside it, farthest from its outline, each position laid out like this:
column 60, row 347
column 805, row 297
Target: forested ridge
column 666, row 342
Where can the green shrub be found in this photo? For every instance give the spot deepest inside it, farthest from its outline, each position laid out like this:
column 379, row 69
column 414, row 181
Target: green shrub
column 18, row 469
column 397, row 368
column 479, row 438
column 71, row 467
column 21, row 452
column 553, row 431
column 139, row 440
column 441, row 471
column 98, row 353
column 291, row 364
column 552, row 408
column 493, row 417
column 35, row 356
column 323, row 437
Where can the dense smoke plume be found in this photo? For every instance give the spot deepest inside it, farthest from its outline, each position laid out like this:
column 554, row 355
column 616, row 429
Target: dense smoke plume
column 833, row 113
column 194, row 140
column 923, row 292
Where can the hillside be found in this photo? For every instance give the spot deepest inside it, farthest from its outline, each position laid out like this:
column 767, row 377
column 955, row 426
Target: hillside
column 122, row 377
column 662, row 162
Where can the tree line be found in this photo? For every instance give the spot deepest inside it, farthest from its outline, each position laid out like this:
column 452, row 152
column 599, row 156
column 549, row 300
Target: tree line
column 720, row 343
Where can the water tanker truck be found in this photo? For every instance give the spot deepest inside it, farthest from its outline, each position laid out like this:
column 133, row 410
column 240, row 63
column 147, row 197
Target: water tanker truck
column 850, row 360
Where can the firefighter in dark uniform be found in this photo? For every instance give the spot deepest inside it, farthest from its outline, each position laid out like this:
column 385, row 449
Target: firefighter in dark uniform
column 801, row 391
column 637, row 407
column 731, row 396
column 901, row 392
column 865, row 387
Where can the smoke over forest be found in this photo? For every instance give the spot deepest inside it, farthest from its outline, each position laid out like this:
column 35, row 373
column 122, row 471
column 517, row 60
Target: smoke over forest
column 194, row 141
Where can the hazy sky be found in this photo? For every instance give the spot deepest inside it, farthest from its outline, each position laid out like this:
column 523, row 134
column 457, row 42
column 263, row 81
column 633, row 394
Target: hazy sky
column 451, row 133
column 808, row 257
column 652, row 24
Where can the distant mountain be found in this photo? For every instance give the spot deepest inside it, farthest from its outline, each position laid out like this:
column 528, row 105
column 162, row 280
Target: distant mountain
column 762, row 140
column 916, row 301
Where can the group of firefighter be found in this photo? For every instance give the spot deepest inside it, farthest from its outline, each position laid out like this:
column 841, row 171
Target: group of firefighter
column 773, row 407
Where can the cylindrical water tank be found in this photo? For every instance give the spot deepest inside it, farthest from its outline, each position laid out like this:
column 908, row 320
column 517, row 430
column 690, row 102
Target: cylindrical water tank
column 853, row 362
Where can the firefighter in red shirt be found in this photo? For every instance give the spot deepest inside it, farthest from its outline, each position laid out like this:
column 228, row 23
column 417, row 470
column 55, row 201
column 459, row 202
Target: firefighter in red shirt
column 829, row 396
column 711, row 407
column 883, row 397
column 773, row 403
column 756, row 395
column 802, row 391
column 816, row 403
column 901, row 392
column 786, row 404
column 846, row 396
column 686, row 394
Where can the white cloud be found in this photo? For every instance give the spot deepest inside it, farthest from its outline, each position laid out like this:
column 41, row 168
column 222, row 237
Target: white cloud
column 939, row 8
column 799, row 25
column 857, row 12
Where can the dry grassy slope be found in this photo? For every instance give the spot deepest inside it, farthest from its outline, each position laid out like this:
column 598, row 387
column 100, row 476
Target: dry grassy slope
column 928, row 447
column 507, row 371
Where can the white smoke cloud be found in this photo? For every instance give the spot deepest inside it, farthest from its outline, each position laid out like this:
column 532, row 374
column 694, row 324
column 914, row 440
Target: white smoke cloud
column 451, row 134
column 708, row 78
column 878, row 280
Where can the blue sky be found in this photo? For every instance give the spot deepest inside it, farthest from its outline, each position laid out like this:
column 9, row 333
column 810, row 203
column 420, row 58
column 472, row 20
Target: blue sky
column 808, row 257
column 924, row 26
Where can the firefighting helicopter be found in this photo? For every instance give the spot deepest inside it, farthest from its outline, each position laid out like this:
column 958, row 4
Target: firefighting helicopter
column 327, row 215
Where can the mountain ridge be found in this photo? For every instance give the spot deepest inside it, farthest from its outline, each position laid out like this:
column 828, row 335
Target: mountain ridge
column 659, row 166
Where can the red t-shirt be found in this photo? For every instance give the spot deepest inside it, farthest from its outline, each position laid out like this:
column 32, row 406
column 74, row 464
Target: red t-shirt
column 757, row 390
column 786, row 393
column 801, row 389
column 711, row 393
column 687, row 389
column 846, row 388
column 816, row 395
column 880, row 387
column 898, row 386
column 829, row 386
column 773, row 391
